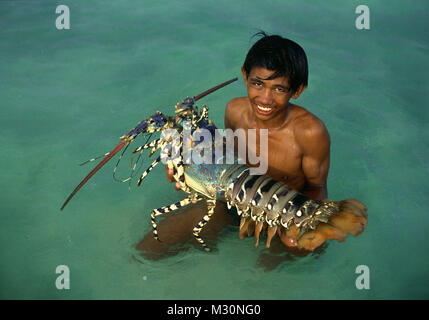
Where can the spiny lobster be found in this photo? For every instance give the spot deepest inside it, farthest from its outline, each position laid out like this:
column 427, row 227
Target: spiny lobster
column 261, row 202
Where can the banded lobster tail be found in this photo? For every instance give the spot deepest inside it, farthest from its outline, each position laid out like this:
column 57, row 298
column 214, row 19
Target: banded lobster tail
column 261, row 202
column 294, row 217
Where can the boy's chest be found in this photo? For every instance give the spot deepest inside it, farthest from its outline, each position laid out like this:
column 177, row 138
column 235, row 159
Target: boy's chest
column 281, row 151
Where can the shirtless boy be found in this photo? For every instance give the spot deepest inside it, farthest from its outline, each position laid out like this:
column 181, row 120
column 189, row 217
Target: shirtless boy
column 275, row 71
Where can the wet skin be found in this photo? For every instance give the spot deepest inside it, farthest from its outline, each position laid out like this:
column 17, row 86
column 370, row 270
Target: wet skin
column 298, row 142
column 298, row 154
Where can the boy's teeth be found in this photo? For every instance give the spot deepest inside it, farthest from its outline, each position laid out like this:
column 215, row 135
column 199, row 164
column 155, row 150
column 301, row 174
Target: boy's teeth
column 264, row 109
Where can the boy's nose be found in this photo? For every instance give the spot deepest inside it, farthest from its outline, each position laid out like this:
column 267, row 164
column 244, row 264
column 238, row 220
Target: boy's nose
column 266, row 97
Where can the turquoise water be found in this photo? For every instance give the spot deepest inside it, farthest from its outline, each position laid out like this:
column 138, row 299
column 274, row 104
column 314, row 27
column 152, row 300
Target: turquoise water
column 68, row 95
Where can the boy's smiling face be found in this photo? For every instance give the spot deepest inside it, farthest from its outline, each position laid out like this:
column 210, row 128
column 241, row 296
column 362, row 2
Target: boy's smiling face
column 269, row 98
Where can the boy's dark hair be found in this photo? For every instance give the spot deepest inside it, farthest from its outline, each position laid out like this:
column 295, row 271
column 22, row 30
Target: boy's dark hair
column 281, row 55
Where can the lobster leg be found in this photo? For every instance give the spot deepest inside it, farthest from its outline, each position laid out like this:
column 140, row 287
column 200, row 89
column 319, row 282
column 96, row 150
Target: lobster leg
column 152, row 144
column 162, row 210
column 211, row 204
column 155, row 145
column 144, row 174
column 177, row 164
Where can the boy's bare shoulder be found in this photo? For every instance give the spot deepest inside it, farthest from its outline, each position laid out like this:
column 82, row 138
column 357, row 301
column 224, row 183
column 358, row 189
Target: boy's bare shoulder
column 234, row 111
column 237, row 103
column 308, row 126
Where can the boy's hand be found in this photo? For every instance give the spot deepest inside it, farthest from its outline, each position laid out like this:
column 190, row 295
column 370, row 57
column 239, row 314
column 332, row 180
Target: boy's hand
column 170, row 177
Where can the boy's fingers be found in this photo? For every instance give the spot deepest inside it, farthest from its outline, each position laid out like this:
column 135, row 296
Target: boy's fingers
column 170, row 174
column 170, row 178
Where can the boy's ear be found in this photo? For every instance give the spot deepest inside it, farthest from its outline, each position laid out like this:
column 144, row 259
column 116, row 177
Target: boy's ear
column 244, row 75
column 299, row 91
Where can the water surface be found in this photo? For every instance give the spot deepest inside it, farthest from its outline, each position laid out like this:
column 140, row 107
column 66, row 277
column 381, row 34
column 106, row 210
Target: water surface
column 68, row 95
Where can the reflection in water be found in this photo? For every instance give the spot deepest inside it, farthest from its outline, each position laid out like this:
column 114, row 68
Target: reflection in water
column 279, row 254
column 175, row 232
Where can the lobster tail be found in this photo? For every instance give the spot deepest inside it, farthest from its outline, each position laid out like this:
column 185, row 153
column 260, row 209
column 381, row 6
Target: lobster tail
column 350, row 218
column 298, row 220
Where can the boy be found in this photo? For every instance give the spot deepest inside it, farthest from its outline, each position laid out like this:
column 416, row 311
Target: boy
column 275, row 70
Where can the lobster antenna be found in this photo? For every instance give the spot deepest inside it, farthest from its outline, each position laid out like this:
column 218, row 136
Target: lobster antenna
column 202, row 95
column 126, row 142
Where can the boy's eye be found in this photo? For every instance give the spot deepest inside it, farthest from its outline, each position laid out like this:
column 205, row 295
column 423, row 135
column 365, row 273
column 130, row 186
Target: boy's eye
column 282, row 90
column 257, row 83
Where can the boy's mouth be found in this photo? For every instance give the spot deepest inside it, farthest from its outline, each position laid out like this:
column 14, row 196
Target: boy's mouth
column 264, row 110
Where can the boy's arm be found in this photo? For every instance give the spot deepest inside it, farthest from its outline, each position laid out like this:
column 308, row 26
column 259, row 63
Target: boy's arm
column 315, row 143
